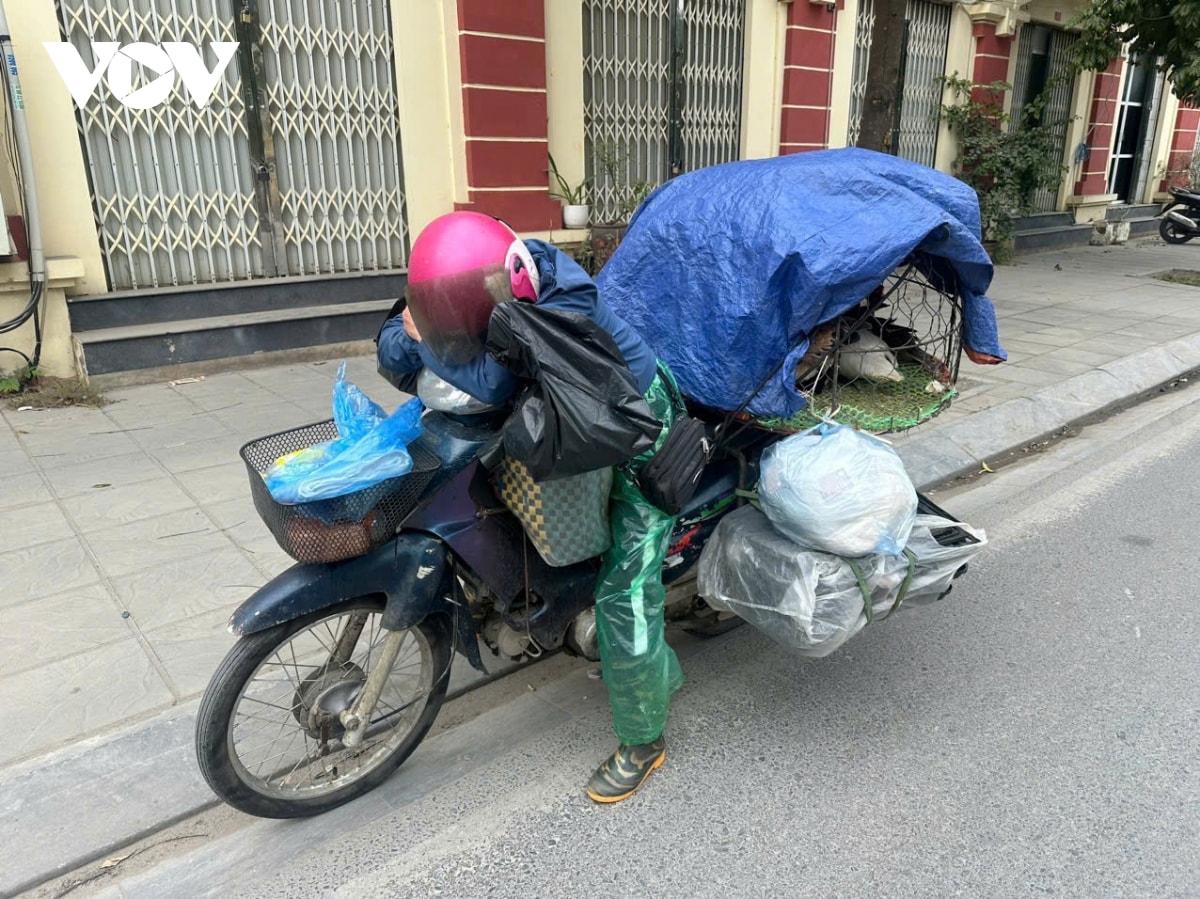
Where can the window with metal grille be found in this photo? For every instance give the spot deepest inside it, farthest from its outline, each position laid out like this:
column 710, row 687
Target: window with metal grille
column 923, row 61
column 293, row 168
column 662, row 93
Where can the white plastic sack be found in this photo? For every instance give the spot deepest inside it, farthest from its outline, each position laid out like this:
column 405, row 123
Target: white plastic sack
column 838, row 490
column 811, row 601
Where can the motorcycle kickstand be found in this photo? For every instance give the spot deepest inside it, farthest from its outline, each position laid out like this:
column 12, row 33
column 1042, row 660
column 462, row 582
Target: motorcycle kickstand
column 356, row 718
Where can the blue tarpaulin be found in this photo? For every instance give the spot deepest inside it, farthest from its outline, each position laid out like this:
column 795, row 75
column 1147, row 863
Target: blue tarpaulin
column 728, row 269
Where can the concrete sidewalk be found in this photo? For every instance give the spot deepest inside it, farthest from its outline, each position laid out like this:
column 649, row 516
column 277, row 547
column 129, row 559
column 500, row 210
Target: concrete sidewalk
column 129, row 535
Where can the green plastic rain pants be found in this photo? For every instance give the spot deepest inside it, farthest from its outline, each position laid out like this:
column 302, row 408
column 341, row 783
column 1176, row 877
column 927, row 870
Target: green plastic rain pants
column 640, row 670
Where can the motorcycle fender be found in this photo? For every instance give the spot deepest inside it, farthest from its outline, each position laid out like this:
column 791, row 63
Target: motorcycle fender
column 410, row 572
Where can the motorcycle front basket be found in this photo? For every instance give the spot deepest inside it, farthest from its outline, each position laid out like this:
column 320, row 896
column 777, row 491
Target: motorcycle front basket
column 331, row 530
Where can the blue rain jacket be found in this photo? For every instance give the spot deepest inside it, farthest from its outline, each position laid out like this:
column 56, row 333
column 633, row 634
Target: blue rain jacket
column 564, row 285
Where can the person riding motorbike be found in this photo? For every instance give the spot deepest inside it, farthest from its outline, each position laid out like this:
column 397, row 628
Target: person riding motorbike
column 462, row 265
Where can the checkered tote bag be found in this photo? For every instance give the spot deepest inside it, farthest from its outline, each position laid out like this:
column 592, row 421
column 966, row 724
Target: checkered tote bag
column 566, row 518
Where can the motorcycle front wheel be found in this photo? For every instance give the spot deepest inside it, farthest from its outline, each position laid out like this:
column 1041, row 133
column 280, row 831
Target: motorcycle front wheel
column 268, row 733
column 1173, row 232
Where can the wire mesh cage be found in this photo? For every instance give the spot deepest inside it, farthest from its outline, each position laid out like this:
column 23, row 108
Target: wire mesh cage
column 889, row 363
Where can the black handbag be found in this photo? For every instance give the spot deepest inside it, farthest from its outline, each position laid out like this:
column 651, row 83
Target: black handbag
column 670, row 478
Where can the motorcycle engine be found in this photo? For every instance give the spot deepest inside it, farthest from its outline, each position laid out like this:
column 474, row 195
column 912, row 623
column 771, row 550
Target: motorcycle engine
column 503, row 639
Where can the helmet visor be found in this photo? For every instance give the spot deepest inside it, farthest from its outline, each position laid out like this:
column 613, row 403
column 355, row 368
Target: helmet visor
column 452, row 311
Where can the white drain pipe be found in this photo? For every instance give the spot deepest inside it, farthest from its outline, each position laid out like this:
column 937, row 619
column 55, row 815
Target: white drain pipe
column 33, row 219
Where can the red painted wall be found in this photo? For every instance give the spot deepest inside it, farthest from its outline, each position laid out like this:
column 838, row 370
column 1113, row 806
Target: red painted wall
column 1183, row 145
column 503, row 52
column 807, row 77
column 992, row 54
column 1093, row 181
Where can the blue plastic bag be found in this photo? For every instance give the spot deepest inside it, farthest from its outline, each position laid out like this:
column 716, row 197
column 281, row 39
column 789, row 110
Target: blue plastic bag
column 372, row 447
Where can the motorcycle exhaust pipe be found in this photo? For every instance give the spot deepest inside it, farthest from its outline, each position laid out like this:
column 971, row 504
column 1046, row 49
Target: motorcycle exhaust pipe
column 1180, row 219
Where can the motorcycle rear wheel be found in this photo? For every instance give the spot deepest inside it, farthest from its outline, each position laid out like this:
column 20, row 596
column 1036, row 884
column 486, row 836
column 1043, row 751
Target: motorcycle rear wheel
column 277, row 753
column 1173, row 232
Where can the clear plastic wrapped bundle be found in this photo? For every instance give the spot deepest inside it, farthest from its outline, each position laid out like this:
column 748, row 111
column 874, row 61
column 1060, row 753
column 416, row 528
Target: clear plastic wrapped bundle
column 812, row 602
column 838, row 490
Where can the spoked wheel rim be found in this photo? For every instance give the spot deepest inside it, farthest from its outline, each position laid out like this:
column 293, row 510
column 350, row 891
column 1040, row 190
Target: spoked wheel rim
column 284, row 735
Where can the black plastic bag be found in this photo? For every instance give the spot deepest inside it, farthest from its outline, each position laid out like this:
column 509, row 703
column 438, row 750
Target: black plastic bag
column 582, row 410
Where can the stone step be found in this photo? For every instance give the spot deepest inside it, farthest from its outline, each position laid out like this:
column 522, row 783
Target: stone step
column 1128, row 213
column 1054, row 238
column 1043, row 221
column 177, row 304
column 157, row 344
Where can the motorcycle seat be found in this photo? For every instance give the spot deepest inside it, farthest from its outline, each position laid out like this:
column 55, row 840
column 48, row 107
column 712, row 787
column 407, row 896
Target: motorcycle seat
column 1187, row 192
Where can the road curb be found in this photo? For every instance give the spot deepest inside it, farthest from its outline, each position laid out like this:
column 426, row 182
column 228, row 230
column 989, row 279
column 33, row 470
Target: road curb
column 79, row 804
column 965, row 445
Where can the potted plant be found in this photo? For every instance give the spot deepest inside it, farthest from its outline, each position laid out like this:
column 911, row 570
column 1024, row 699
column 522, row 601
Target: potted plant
column 576, row 210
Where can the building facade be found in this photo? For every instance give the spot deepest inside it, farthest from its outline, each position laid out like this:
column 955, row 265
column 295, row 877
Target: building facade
column 336, row 130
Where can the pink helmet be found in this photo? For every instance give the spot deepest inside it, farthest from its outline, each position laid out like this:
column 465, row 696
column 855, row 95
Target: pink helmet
column 464, row 264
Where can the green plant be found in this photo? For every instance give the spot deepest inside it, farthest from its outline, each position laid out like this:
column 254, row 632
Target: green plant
column 586, row 257
column 39, row 392
column 572, row 196
column 1005, row 165
column 615, row 168
column 16, row 381
column 1166, row 32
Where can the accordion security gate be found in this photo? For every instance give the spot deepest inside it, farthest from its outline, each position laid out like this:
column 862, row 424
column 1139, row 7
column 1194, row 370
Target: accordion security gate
column 662, row 91
column 927, row 35
column 293, row 168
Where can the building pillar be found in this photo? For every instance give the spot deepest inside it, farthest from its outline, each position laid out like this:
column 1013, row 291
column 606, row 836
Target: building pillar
column 502, row 48
column 808, row 76
column 762, row 78
column 1091, row 199
column 993, row 54
column 1185, row 148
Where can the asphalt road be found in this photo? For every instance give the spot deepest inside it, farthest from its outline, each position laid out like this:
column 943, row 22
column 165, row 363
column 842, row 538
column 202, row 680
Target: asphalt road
column 1033, row 735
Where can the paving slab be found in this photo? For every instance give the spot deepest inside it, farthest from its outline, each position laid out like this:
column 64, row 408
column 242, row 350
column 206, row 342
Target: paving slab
column 170, row 592
column 150, row 542
column 50, row 628
column 44, row 570
column 91, row 691
column 107, row 505
column 35, row 524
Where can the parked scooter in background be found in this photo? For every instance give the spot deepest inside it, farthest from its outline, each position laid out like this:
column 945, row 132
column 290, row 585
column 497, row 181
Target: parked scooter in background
column 1180, row 216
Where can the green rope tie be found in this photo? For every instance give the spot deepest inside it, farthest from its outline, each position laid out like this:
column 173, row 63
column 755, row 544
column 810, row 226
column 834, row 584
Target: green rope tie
column 868, row 606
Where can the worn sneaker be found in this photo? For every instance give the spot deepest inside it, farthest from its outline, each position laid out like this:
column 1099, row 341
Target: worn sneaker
column 626, row 770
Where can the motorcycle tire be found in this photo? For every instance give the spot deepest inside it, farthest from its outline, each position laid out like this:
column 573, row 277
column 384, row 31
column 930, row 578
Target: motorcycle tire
column 1173, row 232
column 218, row 758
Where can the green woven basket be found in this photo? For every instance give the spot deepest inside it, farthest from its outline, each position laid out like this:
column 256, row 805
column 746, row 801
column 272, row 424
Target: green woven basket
column 874, row 407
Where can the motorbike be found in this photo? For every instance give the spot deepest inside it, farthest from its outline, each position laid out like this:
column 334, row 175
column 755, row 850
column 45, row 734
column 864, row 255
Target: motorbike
column 340, row 668
column 1180, row 216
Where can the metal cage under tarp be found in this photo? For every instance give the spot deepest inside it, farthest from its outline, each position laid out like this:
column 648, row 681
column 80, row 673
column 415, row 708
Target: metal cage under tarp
column 887, row 364
column 742, row 274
